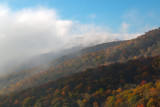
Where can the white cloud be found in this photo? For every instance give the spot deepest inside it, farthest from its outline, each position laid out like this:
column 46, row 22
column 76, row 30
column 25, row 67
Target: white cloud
column 31, row 31
column 124, row 27
column 146, row 28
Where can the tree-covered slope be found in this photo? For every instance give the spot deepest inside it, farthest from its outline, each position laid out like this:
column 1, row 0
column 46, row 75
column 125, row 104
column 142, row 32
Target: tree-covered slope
column 91, row 87
column 144, row 95
column 25, row 71
column 144, row 45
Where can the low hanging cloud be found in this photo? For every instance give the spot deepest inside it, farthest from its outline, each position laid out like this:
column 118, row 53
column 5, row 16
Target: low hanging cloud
column 32, row 31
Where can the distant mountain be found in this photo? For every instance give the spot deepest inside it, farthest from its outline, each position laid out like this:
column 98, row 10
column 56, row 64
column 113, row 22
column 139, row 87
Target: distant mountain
column 54, row 57
column 142, row 46
column 126, row 82
column 38, row 60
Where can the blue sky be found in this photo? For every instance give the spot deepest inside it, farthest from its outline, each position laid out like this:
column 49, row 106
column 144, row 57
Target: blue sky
column 140, row 15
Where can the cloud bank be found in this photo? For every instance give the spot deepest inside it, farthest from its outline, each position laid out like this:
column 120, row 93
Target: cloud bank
column 32, row 31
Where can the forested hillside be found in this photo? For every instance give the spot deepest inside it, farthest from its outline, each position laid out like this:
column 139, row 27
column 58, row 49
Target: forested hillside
column 22, row 72
column 142, row 46
column 79, row 53
column 134, row 82
column 144, row 95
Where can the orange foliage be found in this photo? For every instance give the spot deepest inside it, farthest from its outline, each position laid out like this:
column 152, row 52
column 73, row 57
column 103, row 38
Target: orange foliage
column 119, row 90
column 118, row 101
column 63, row 93
column 141, row 105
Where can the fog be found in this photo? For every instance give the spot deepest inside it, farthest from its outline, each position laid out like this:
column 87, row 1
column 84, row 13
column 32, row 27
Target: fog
column 32, row 31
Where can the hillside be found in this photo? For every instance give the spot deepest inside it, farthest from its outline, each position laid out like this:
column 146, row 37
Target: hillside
column 94, row 86
column 79, row 53
column 35, row 66
column 144, row 95
column 142, row 46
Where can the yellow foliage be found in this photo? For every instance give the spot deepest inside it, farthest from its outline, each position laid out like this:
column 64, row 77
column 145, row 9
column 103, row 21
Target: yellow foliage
column 84, row 100
column 152, row 89
column 146, row 92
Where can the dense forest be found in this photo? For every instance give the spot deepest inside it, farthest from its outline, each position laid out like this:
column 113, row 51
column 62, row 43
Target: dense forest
column 131, row 83
column 142, row 46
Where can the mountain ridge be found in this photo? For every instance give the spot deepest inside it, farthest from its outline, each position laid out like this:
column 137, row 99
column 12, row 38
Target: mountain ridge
column 144, row 45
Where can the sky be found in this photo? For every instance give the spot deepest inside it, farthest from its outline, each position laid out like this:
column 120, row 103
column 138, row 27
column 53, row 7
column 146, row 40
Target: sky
column 139, row 14
column 32, row 27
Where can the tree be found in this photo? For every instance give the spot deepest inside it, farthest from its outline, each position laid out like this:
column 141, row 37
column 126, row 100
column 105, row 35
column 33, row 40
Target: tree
column 28, row 102
column 152, row 103
column 39, row 103
column 134, row 99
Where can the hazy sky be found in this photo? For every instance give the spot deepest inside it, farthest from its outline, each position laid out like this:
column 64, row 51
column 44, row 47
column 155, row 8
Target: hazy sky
column 30, row 27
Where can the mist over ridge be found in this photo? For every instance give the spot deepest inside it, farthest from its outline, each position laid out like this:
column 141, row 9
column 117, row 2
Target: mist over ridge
column 33, row 31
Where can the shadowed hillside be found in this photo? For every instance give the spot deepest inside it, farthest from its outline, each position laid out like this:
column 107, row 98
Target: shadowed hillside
column 93, row 86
